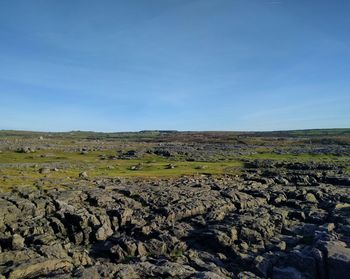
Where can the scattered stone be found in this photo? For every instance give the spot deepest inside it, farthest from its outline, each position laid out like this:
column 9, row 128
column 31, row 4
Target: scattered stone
column 17, row 242
column 170, row 166
column 44, row 170
column 26, row 149
column 104, row 232
column 136, row 167
column 83, row 175
column 309, row 197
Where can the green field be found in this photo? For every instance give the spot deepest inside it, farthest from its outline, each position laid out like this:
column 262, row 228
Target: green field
column 61, row 150
column 22, row 169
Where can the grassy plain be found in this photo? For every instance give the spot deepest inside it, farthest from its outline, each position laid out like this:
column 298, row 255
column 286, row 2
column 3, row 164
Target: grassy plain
column 60, row 152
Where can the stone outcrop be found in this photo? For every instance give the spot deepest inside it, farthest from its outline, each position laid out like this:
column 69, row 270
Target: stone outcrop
column 259, row 225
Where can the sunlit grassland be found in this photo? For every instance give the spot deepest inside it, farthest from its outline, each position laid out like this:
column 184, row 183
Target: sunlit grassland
column 22, row 169
column 14, row 173
column 49, row 156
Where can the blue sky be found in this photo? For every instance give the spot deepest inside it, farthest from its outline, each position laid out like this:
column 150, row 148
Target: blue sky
column 174, row 64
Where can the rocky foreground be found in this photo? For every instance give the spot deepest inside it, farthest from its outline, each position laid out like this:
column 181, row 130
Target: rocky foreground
column 286, row 220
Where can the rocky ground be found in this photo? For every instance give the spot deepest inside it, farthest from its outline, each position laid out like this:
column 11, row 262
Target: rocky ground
column 274, row 219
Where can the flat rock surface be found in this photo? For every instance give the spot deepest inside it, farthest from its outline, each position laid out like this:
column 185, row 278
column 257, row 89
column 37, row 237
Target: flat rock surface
column 201, row 227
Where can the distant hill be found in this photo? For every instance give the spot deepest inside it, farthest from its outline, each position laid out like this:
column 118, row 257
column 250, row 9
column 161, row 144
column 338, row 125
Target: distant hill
column 152, row 134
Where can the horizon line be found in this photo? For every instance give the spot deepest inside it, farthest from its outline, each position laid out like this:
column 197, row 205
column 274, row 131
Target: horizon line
column 176, row 131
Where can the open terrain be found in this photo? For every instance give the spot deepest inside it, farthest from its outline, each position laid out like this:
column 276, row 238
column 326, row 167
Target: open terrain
column 168, row 204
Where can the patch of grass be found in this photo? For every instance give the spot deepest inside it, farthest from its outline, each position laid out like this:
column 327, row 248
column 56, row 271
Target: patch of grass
column 28, row 175
column 49, row 156
column 181, row 168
